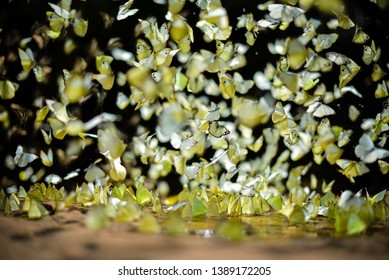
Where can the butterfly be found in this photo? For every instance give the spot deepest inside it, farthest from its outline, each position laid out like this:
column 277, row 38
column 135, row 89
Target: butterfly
column 47, row 158
column 324, row 41
column 367, row 152
column 217, row 130
column 283, row 64
column 353, row 113
column 309, row 80
column 351, row 168
column 105, row 77
column 344, row 20
column 61, row 18
column 126, row 11
column 8, row 89
column 347, row 73
column 318, row 109
column 227, row 86
column 281, row 118
column 242, row 86
column 383, row 166
column 284, row 13
column 22, row 158
column 315, row 62
column 382, row 90
column 378, row 73
column 371, row 53
column 360, row 37
column 213, row 113
column 337, row 58
column 309, row 32
column 297, row 54
column 27, row 59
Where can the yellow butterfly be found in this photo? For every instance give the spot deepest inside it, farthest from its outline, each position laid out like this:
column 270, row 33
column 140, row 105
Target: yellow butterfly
column 61, row 18
column 227, row 86
column 384, row 166
column 8, row 89
column 217, row 130
column 80, row 26
column 378, row 73
column 347, row 73
column 143, row 49
column 47, row 159
column 175, row 6
column 382, row 90
column 297, row 54
column 351, row 168
column 360, row 37
column 281, row 118
column 225, row 50
column 283, row 64
column 27, row 59
column 344, row 21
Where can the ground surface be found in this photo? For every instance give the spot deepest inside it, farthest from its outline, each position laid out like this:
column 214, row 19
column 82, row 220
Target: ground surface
column 64, row 236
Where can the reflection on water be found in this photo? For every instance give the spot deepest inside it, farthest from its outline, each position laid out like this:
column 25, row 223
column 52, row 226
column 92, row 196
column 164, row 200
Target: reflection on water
column 267, row 227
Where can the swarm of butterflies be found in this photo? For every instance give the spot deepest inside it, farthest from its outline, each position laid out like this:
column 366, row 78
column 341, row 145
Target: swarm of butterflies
column 232, row 142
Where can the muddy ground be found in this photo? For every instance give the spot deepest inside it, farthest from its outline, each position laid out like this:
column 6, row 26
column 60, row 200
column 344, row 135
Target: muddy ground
column 64, row 236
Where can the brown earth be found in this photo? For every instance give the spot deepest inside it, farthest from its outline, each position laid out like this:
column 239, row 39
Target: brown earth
column 64, row 236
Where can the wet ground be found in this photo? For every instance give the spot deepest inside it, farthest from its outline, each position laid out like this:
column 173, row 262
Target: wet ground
column 65, row 236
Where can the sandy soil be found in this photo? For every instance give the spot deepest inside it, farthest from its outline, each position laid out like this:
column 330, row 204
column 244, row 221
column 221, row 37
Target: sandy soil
column 64, row 236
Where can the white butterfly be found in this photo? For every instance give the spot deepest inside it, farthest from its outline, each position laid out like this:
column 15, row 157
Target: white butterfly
column 367, row 152
column 213, row 113
column 319, row 109
column 125, row 11
column 337, row 58
column 22, row 159
column 284, row 13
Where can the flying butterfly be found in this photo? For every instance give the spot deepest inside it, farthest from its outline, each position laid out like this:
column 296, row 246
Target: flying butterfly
column 316, row 62
column 319, row 109
column 283, row 64
column 27, row 59
column 22, row 158
column 360, row 37
column 324, row 41
column 284, row 13
column 217, row 130
column 384, row 166
column 61, row 18
column 382, row 90
column 8, row 89
column 371, row 53
column 367, row 152
column 281, row 118
column 337, row 58
column 351, row 168
column 213, row 113
column 378, row 73
column 126, row 11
